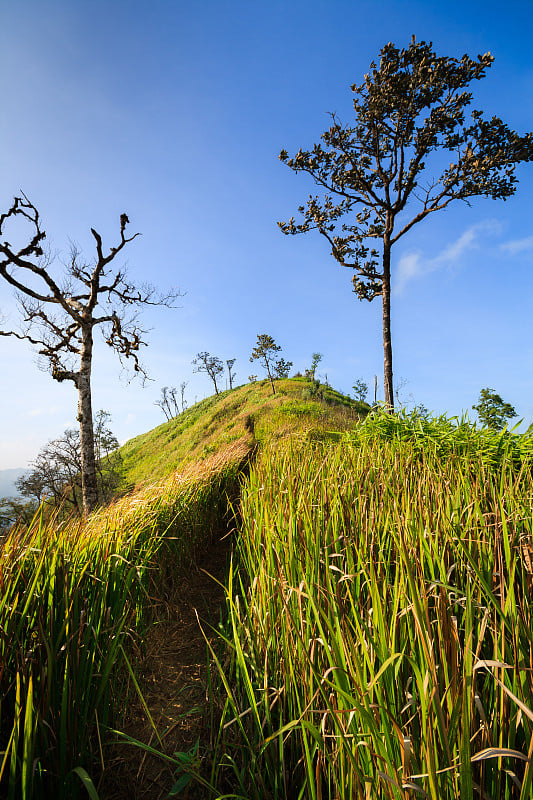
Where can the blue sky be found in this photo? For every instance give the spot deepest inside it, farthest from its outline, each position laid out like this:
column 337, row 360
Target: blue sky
column 175, row 113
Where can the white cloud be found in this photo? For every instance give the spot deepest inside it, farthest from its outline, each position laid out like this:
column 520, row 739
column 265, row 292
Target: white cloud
column 517, row 246
column 413, row 265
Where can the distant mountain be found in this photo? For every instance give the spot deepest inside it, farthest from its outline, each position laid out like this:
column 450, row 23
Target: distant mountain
column 7, row 481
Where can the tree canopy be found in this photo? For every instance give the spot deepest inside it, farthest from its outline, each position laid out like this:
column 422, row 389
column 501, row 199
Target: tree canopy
column 265, row 351
column 492, row 410
column 374, row 174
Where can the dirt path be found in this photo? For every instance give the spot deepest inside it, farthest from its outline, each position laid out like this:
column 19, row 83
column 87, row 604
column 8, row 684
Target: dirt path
column 173, row 684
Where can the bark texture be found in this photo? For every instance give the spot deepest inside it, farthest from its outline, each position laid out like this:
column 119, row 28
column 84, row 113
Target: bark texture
column 89, row 483
column 387, row 338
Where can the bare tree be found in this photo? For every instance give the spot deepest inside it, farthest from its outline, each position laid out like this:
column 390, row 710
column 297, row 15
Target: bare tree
column 409, row 109
column 168, row 402
column 56, row 471
column 183, row 386
column 229, row 363
column 212, row 365
column 60, row 316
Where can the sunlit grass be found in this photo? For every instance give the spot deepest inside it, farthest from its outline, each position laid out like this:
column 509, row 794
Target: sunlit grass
column 221, row 419
column 380, row 624
column 74, row 598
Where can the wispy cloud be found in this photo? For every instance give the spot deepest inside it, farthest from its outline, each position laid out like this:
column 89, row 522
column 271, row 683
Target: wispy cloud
column 517, row 246
column 413, row 265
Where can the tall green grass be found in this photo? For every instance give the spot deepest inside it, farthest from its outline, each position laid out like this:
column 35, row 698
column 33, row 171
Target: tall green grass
column 380, row 636
column 74, row 598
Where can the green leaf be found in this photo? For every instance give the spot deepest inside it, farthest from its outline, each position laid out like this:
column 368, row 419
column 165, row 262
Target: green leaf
column 87, row 782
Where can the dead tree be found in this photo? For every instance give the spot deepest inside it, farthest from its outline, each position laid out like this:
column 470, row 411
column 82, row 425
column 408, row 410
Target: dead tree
column 205, row 362
column 168, row 402
column 183, row 386
column 231, row 375
column 60, row 315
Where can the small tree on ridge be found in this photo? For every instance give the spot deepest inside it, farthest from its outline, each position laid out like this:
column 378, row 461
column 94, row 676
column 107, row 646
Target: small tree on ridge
column 209, row 364
column 265, row 351
column 492, row 411
column 229, row 363
column 360, row 390
column 316, row 359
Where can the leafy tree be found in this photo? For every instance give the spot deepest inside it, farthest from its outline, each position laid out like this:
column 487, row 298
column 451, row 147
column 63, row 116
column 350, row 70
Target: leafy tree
column 492, row 411
column 60, row 314
column 229, row 363
column 265, row 351
column 360, row 389
column 282, row 368
column 56, row 471
column 316, row 359
column 374, row 174
column 212, row 365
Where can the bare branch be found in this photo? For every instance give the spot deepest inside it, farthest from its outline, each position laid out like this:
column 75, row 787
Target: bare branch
column 61, row 320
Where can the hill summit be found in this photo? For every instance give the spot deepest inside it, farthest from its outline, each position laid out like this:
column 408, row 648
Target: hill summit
column 247, row 412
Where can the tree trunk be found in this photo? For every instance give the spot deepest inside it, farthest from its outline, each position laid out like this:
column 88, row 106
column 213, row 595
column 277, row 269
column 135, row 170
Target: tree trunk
column 270, row 376
column 387, row 342
column 89, row 485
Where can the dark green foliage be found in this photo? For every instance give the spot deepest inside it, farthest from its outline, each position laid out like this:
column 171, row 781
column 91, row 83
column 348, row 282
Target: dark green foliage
column 446, row 436
column 283, row 368
column 360, row 390
column 492, row 411
column 314, row 387
column 265, row 351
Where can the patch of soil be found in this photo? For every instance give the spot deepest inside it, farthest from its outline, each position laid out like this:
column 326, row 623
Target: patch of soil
column 173, row 684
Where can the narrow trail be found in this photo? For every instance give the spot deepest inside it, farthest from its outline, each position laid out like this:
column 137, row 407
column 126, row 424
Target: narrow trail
column 173, row 683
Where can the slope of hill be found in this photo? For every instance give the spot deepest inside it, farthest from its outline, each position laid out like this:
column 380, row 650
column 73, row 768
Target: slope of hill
column 110, row 580
column 219, row 420
column 377, row 580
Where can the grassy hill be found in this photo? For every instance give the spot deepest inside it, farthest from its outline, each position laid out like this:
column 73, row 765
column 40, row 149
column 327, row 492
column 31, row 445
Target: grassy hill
column 377, row 634
column 220, row 420
column 77, row 594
